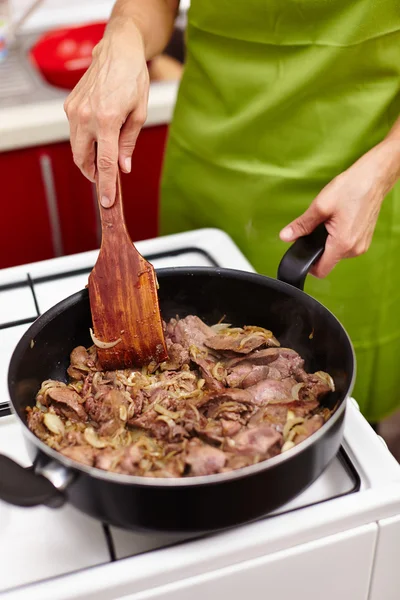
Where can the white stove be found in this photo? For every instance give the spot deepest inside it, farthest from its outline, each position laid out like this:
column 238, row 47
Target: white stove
column 339, row 539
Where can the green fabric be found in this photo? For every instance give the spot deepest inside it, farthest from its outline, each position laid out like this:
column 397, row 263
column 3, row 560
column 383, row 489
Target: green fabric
column 277, row 98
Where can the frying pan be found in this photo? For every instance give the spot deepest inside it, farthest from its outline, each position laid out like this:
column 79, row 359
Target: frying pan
column 194, row 504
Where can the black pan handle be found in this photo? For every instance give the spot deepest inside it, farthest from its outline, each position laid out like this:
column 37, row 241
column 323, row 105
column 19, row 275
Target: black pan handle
column 300, row 257
column 23, row 487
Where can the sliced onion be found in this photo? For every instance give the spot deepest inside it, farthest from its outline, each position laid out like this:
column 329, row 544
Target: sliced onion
column 123, row 413
column 167, row 413
column 93, row 439
column 287, row 446
column 54, row 423
column 327, row 378
column 290, row 424
column 219, row 375
column 170, row 422
column 194, row 409
column 101, row 344
column 295, row 390
column 296, row 430
column 218, row 327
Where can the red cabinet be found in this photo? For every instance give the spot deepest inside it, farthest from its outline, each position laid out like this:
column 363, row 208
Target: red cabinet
column 50, row 209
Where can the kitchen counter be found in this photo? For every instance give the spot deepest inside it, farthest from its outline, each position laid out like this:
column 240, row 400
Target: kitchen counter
column 45, row 122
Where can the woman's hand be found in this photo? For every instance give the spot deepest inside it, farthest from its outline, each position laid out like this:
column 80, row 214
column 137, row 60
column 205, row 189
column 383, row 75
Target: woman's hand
column 109, row 106
column 349, row 206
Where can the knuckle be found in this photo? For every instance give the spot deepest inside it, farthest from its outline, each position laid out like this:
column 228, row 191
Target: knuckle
column 360, row 248
column 69, row 108
column 321, row 208
column 105, row 163
column 140, row 117
column 346, row 247
column 106, row 116
column 84, row 113
column 127, row 143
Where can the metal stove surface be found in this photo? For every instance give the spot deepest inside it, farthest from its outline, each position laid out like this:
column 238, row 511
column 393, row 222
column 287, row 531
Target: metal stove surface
column 40, row 544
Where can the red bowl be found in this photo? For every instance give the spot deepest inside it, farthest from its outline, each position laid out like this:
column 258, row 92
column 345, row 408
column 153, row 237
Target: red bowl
column 62, row 56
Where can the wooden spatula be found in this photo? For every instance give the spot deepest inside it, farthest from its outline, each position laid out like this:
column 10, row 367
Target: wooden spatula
column 123, row 298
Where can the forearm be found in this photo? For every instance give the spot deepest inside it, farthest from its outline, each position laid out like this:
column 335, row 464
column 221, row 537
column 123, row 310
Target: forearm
column 153, row 18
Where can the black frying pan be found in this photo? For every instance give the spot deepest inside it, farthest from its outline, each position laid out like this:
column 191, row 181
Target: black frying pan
column 195, row 504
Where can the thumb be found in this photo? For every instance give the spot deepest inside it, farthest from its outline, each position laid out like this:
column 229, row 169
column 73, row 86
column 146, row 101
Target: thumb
column 303, row 225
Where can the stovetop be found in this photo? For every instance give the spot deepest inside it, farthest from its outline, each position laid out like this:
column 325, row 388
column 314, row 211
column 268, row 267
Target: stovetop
column 40, row 544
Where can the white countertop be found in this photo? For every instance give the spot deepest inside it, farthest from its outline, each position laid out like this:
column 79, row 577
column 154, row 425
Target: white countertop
column 34, row 124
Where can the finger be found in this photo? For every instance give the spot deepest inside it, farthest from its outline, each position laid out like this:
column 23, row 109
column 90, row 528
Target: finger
column 129, row 135
column 303, row 225
column 84, row 153
column 330, row 258
column 107, row 165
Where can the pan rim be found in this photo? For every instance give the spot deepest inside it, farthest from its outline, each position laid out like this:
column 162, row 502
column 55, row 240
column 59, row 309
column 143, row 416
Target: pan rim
column 194, row 481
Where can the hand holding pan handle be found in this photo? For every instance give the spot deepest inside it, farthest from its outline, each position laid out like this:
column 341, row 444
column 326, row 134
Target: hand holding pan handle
column 29, row 487
column 300, row 257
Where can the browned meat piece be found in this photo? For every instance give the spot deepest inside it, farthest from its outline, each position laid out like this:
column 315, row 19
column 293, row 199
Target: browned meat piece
column 238, row 461
column 276, row 414
column 206, row 368
column 230, row 428
column 228, row 394
column 271, row 390
column 79, row 356
column 108, row 411
column 173, row 468
column 191, row 334
column 246, row 374
column 74, row 438
column 35, row 424
column 82, row 454
column 161, row 426
column 309, row 426
column 289, row 360
column 204, row 459
column 230, row 404
column 177, row 356
column 78, row 368
column 130, row 460
column 108, row 458
column 92, row 361
column 242, row 341
column 137, row 403
column 260, row 440
column 315, row 387
column 68, row 403
column 257, row 374
column 190, row 331
column 211, row 431
column 87, row 385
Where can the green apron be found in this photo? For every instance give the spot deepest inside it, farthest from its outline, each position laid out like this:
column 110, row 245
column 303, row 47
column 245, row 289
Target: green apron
column 277, row 98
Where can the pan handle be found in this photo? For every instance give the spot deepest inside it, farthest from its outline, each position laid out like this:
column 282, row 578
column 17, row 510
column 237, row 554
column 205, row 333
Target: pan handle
column 300, row 257
column 33, row 486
